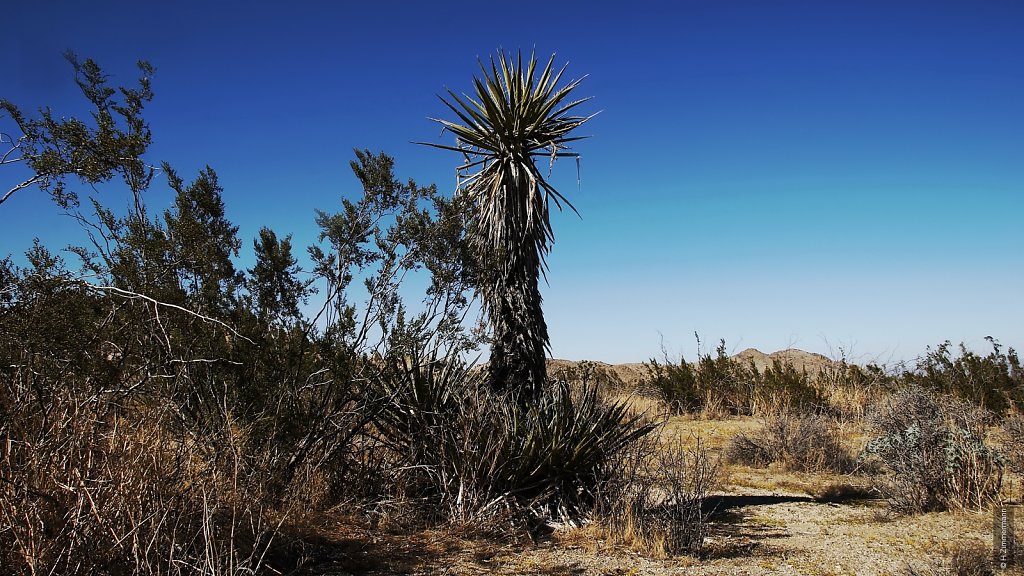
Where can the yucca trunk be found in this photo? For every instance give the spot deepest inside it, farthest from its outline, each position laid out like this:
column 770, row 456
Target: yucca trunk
column 520, row 335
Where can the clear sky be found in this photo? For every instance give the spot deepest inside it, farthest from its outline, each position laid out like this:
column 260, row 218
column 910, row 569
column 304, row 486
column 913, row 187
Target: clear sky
column 822, row 175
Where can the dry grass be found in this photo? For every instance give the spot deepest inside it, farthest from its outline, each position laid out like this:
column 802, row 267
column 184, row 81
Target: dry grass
column 963, row 559
column 89, row 490
column 850, row 390
column 1012, row 442
column 714, row 434
column 658, row 532
column 638, row 402
column 657, row 508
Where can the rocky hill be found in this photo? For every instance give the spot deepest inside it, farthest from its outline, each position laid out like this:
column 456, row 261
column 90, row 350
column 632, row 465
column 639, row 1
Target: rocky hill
column 631, row 374
column 809, row 361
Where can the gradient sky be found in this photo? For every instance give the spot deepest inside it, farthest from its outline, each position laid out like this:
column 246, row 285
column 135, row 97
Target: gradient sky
column 824, row 175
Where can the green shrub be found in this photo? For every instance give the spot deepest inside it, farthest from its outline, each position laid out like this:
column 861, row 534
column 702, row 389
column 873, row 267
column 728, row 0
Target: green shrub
column 715, row 385
column 782, row 385
column 719, row 385
column 675, row 383
column 994, row 382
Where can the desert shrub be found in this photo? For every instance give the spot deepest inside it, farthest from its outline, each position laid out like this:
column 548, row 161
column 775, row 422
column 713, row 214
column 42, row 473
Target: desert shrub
column 656, row 504
column 1013, row 442
column 749, row 451
column 126, row 446
column 994, row 382
column 844, row 492
column 714, row 386
column 719, row 385
column 96, row 481
column 162, row 411
column 798, row 441
column 466, row 452
column 781, row 384
column 161, row 415
column 725, row 383
column 934, row 448
column 849, row 389
column 675, row 383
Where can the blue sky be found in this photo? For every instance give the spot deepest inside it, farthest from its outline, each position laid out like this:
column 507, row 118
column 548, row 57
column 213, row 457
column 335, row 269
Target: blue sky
column 822, row 175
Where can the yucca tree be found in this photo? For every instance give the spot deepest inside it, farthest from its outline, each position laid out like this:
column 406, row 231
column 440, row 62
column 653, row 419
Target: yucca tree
column 518, row 115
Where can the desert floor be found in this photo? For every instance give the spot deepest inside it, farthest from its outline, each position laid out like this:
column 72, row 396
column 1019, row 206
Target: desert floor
column 767, row 521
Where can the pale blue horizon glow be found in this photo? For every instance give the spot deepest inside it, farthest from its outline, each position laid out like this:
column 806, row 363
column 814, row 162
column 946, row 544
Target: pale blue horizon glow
column 823, row 176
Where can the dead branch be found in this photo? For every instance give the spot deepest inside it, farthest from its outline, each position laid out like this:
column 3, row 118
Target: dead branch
column 136, row 296
column 24, row 184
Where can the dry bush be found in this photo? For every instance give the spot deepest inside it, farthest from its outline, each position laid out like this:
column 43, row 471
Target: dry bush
column 971, row 561
column 90, row 485
column 1013, row 444
column 934, row 447
column 120, row 452
column 656, row 504
column 714, row 407
column 850, row 390
column 800, row 442
column 965, row 560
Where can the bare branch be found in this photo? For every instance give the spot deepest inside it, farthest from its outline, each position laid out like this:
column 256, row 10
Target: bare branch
column 15, row 146
column 136, row 295
column 24, row 184
column 204, row 361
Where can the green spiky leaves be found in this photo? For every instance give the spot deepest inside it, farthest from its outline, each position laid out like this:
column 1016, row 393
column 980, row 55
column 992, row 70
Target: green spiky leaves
column 517, row 115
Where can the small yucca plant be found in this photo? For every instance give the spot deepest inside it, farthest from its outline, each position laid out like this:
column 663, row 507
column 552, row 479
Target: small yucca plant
column 469, row 451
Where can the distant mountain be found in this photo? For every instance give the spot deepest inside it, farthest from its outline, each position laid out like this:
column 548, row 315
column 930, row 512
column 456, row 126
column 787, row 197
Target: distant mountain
column 628, row 374
column 809, row 361
column 631, row 374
